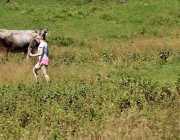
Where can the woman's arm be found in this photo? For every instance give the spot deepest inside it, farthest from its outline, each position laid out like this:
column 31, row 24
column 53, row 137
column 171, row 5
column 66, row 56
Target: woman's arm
column 40, row 52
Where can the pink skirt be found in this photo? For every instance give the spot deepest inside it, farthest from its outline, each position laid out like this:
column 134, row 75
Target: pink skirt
column 44, row 61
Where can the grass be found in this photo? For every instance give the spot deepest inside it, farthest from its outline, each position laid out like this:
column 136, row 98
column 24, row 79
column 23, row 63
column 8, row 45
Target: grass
column 108, row 80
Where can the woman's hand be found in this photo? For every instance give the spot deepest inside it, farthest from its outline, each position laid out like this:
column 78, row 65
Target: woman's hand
column 30, row 54
column 40, row 51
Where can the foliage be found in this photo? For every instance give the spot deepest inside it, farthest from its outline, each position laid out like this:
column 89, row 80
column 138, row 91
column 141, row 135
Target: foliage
column 114, row 70
column 79, row 105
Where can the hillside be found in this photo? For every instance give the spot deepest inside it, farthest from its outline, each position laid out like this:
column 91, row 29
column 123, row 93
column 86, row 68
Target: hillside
column 109, row 77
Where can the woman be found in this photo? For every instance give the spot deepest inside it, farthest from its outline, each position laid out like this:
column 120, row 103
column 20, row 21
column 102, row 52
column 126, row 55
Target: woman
column 42, row 57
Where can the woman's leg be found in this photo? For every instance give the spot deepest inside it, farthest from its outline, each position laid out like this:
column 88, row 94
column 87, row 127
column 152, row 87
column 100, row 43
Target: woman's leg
column 44, row 69
column 35, row 69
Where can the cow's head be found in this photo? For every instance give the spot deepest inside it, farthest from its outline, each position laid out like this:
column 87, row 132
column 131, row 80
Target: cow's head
column 43, row 33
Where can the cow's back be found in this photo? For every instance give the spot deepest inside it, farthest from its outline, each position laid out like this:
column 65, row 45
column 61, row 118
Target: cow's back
column 23, row 31
column 5, row 33
column 21, row 39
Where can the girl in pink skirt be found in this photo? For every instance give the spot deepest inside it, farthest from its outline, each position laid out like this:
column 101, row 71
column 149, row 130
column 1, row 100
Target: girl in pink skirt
column 42, row 57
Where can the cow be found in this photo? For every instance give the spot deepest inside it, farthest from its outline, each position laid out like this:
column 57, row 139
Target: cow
column 19, row 41
column 15, row 42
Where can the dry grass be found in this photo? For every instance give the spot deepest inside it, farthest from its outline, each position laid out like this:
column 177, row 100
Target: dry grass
column 157, row 124
column 15, row 73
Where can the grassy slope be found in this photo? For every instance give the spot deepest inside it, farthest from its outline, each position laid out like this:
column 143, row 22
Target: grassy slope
column 107, row 44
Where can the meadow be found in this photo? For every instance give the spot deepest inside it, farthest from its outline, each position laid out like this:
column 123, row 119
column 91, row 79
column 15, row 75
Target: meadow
column 115, row 71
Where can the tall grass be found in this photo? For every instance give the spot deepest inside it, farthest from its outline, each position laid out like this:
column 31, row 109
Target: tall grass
column 108, row 79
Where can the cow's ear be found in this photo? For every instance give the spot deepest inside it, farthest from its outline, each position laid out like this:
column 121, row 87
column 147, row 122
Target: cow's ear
column 46, row 29
column 48, row 33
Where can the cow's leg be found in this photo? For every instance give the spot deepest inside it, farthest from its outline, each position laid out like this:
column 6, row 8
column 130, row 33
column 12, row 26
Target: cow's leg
column 4, row 53
column 26, row 52
column 27, row 55
column 29, row 49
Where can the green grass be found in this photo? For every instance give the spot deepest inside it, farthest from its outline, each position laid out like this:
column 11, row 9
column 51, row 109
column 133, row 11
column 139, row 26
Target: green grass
column 108, row 80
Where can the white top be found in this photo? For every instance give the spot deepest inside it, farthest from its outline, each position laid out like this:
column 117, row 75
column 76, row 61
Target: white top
column 43, row 45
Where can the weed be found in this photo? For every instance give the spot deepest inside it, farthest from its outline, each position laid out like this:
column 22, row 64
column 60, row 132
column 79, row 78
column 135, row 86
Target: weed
column 108, row 82
column 108, row 56
column 165, row 54
column 62, row 41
